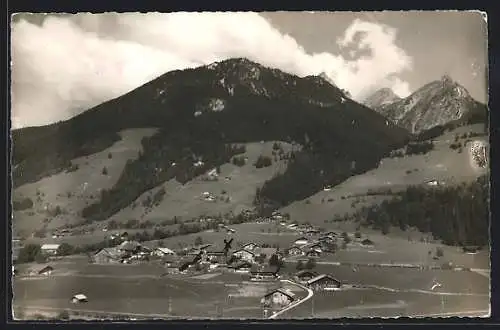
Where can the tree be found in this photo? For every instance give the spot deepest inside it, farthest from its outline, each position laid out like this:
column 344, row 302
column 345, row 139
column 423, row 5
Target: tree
column 275, row 261
column 439, row 252
column 64, row 315
column 65, row 249
column 28, row 253
column 40, row 257
column 357, row 234
column 198, row 241
column 104, row 171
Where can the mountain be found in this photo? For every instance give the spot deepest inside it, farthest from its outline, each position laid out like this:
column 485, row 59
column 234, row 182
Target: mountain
column 202, row 116
column 437, row 103
column 380, row 98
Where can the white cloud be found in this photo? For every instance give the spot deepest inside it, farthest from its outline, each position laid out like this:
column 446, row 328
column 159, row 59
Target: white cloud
column 70, row 64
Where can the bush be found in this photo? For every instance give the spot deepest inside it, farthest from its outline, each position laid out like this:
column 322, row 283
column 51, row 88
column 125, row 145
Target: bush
column 110, row 155
column 263, row 161
column 65, row 249
column 28, row 253
column 239, row 161
column 439, row 252
column 104, row 171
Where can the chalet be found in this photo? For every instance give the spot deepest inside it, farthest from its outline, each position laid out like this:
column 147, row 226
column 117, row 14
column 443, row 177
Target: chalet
column 292, row 226
column 313, row 253
column 294, row 251
column 244, row 255
column 268, row 273
column 79, row 298
column 305, row 275
column 169, row 260
column 46, row 271
column 250, row 246
column 106, row 256
column 278, row 299
column 50, row 249
column 323, row 282
column 301, row 241
column 163, row 251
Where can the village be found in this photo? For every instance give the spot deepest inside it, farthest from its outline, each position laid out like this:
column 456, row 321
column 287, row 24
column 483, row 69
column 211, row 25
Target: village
column 283, row 267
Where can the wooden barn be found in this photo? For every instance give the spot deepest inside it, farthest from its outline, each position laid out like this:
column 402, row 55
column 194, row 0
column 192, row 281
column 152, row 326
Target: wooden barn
column 305, row 275
column 277, row 299
column 324, row 282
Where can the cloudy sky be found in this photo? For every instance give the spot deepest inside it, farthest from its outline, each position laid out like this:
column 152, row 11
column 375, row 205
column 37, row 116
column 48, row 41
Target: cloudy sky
column 65, row 64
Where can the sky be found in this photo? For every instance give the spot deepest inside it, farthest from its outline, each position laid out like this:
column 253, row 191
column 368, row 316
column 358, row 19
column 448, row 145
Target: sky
column 64, row 64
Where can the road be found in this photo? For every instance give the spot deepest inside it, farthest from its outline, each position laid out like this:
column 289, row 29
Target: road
column 310, row 293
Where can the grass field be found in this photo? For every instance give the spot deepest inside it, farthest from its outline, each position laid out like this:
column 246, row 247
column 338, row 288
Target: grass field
column 442, row 163
column 72, row 191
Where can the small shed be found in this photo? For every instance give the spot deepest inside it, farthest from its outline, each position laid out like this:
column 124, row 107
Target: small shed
column 79, row 298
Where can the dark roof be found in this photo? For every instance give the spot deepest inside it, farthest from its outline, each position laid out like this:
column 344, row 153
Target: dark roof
column 280, row 291
column 306, row 272
column 242, row 264
column 45, row 269
column 320, row 277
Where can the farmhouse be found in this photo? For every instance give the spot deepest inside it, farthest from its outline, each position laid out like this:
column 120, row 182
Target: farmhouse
column 305, row 275
column 50, row 249
column 163, row 251
column 47, row 270
column 244, row 255
column 250, row 246
column 267, row 273
column 301, row 241
column 294, row 251
column 79, row 298
column 106, row 256
column 323, row 282
column 277, row 299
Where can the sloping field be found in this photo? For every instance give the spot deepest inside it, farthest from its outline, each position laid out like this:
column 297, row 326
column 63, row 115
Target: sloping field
column 442, row 164
column 72, row 191
column 234, row 190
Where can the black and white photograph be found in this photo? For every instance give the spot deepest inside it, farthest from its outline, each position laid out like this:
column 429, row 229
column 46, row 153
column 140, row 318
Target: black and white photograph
column 250, row 165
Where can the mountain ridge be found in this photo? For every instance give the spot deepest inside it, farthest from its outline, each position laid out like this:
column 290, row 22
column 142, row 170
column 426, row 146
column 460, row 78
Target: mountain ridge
column 437, row 103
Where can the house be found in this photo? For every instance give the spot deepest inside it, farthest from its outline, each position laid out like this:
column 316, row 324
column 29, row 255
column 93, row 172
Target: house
column 230, row 230
column 312, row 232
column 432, row 183
column 216, row 257
column 244, row 255
column 163, row 251
column 47, row 270
column 106, row 256
column 305, row 275
column 79, row 298
column 278, row 299
column 169, row 260
column 323, row 282
column 266, row 273
column 124, row 235
column 250, row 246
column 294, row 251
column 50, row 249
column 301, row 241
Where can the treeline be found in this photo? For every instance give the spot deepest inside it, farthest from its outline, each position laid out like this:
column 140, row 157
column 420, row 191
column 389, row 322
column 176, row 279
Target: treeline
column 457, row 215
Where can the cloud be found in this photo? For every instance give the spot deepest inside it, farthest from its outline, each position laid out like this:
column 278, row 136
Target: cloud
column 69, row 64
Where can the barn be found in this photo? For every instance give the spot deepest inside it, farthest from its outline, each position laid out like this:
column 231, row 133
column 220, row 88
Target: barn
column 323, row 282
column 106, row 256
column 50, row 249
column 163, row 251
column 277, row 299
column 305, row 275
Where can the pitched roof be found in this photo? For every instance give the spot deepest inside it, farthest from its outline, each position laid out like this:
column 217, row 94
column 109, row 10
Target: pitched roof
column 165, row 250
column 110, row 252
column 80, row 296
column 320, row 277
column 243, row 250
column 129, row 245
column 304, row 272
column 289, row 294
column 45, row 269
